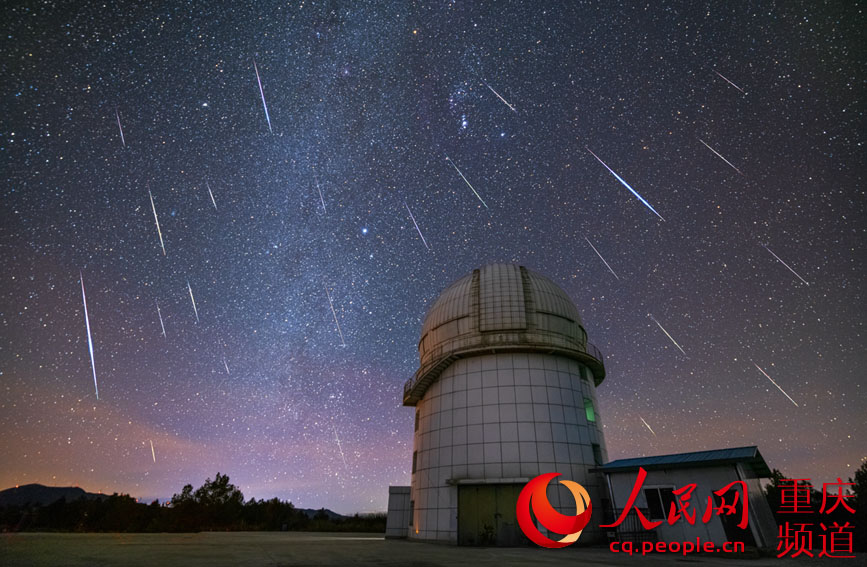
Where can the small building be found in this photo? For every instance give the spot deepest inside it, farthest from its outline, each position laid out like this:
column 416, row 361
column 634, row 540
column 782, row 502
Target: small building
column 398, row 512
column 710, row 471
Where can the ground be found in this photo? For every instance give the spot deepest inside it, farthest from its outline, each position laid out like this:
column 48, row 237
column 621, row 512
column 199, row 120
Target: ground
column 299, row 548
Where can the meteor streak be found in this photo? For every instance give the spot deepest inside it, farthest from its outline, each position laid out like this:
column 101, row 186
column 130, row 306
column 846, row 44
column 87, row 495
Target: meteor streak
column 153, row 454
column 499, row 97
column 786, row 265
column 647, row 426
column 159, row 232
column 336, row 322
column 600, row 257
column 208, row 185
column 318, row 188
column 119, row 127
column 339, row 447
column 226, row 365
column 625, row 184
column 262, row 92
column 666, row 333
column 89, row 339
column 416, row 225
column 775, row 384
column 720, row 156
column 193, row 299
column 729, row 82
column 467, row 182
column 160, row 315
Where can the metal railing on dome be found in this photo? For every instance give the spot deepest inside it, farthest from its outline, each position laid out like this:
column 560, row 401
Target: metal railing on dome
column 593, row 351
column 590, row 350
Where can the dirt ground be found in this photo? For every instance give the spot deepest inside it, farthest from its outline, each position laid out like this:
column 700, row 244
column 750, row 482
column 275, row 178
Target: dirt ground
column 299, row 548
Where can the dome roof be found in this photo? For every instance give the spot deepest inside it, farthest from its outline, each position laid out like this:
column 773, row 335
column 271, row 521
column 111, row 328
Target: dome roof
column 500, row 307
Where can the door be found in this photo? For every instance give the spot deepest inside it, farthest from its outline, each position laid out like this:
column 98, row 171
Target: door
column 730, row 522
column 486, row 515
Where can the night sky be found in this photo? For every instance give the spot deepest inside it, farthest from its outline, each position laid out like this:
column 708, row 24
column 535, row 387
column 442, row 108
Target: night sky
column 365, row 102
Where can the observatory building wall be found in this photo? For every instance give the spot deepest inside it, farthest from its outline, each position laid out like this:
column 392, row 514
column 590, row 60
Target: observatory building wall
column 505, row 391
column 502, row 419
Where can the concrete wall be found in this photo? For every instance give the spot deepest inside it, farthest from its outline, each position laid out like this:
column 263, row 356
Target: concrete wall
column 707, row 479
column 761, row 516
column 397, row 523
column 503, row 416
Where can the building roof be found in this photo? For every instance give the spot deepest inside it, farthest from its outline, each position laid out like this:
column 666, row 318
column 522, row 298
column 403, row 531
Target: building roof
column 749, row 456
column 500, row 308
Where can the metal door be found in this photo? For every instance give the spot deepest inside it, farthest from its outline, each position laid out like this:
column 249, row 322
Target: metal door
column 486, row 515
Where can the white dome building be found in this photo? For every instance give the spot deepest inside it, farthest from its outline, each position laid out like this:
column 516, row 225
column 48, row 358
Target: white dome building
column 505, row 391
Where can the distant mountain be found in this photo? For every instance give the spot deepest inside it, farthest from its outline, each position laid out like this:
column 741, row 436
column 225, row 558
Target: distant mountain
column 310, row 513
column 40, row 495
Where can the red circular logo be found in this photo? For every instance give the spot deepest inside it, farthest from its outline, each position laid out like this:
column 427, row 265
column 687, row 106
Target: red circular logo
column 535, row 495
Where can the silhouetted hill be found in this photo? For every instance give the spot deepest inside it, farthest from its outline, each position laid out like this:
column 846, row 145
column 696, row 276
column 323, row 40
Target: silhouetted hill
column 40, row 495
column 217, row 505
column 311, row 513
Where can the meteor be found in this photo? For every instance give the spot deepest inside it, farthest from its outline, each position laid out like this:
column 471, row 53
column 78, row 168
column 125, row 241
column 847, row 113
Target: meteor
column 160, row 315
column 318, row 188
column 153, row 454
column 416, row 225
column 89, row 339
column 647, row 426
column 467, row 182
column 600, row 257
column 499, row 97
column 729, row 82
column 786, row 265
column 339, row 447
column 208, row 185
column 262, row 92
column 119, row 127
column 334, row 313
column 625, row 184
column 775, row 384
column 226, row 365
column 720, row 156
column 159, row 232
column 666, row 333
column 193, row 299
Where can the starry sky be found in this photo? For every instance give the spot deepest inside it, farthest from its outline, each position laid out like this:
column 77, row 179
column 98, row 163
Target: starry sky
column 736, row 123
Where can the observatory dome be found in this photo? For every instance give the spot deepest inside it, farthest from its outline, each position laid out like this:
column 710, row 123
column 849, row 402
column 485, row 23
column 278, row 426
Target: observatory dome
column 500, row 308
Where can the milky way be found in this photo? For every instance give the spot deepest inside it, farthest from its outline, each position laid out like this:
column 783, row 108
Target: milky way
column 363, row 104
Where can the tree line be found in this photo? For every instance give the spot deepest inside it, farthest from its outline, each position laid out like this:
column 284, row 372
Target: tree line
column 217, row 505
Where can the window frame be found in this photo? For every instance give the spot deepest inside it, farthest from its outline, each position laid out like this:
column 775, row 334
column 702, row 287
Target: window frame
column 597, row 454
column 591, row 414
column 660, row 500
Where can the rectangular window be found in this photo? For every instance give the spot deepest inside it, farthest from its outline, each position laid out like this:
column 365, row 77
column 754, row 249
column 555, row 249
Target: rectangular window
column 659, row 501
column 597, row 454
column 411, row 510
column 414, row 461
column 667, row 496
column 588, row 409
column 416, row 419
